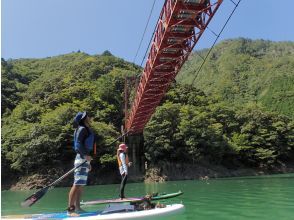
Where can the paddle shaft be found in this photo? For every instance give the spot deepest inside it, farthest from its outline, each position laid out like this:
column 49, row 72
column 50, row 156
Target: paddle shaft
column 66, row 174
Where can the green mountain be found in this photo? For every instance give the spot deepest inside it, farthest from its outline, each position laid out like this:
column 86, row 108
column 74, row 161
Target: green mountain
column 243, row 71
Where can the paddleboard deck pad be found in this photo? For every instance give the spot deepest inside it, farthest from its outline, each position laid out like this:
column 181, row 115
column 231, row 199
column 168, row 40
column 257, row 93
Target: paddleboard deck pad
column 112, row 212
column 132, row 199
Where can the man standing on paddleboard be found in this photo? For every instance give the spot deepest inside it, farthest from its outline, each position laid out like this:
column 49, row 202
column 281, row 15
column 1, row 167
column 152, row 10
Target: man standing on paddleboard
column 83, row 144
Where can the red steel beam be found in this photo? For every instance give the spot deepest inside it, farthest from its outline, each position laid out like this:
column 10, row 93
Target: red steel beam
column 180, row 26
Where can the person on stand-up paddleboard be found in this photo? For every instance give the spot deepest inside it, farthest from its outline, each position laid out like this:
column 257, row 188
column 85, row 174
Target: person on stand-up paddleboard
column 83, row 144
column 123, row 164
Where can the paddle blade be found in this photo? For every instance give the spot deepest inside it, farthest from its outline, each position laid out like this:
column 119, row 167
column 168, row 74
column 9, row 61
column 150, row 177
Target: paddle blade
column 34, row 198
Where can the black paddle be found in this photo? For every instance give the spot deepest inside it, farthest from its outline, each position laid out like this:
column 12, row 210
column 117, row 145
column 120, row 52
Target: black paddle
column 39, row 194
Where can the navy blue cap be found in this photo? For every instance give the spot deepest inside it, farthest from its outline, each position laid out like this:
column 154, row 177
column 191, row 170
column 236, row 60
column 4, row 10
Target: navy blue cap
column 80, row 116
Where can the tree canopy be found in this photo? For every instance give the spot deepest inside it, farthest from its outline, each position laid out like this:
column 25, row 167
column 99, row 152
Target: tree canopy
column 245, row 71
column 192, row 127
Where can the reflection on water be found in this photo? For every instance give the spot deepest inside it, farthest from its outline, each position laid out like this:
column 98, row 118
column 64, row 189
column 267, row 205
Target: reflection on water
column 266, row 197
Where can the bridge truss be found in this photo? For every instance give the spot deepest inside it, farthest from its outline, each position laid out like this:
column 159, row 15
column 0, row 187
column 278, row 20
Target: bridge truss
column 181, row 24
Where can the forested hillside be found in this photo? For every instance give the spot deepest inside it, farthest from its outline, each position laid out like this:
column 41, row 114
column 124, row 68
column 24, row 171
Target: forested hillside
column 240, row 114
column 40, row 98
column 245, row 71
column 190, row 127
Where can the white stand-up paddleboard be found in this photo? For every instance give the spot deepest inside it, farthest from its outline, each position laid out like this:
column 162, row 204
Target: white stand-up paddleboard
column 112, row 212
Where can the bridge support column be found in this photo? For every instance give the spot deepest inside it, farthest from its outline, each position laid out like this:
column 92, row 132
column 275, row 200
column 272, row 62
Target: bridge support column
column 136, row 156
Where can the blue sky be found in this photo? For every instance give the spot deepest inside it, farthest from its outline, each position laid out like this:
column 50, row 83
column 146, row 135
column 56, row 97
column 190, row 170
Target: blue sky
column 42, row 28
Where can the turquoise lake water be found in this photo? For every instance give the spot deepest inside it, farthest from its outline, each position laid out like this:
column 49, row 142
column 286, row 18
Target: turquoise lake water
column 263, row 197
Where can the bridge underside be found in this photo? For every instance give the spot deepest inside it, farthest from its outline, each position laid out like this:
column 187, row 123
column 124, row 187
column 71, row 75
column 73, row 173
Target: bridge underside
column 180, row 25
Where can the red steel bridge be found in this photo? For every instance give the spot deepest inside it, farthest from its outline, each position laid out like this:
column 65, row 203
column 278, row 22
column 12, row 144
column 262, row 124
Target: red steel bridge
column 180, row 26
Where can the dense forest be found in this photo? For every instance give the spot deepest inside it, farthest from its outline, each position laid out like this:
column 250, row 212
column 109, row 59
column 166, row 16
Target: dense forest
column 238, row 113
column 244, row 71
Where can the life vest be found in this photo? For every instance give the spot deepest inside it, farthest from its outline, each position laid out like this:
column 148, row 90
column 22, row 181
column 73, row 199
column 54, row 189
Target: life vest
column 119, row 161
column 89, row 141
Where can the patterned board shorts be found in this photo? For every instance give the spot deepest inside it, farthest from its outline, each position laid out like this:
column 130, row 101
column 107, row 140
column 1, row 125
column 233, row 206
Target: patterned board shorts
column 81, row 174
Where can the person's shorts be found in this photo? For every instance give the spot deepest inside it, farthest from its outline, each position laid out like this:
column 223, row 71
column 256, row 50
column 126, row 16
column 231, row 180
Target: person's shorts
column 81, row 173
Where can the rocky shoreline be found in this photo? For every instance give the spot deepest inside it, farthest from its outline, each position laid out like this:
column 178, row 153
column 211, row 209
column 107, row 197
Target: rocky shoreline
column 169, row 172
column 166, row 172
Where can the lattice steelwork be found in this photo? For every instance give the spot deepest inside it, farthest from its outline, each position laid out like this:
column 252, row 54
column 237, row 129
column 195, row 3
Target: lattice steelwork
column 181, row 24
